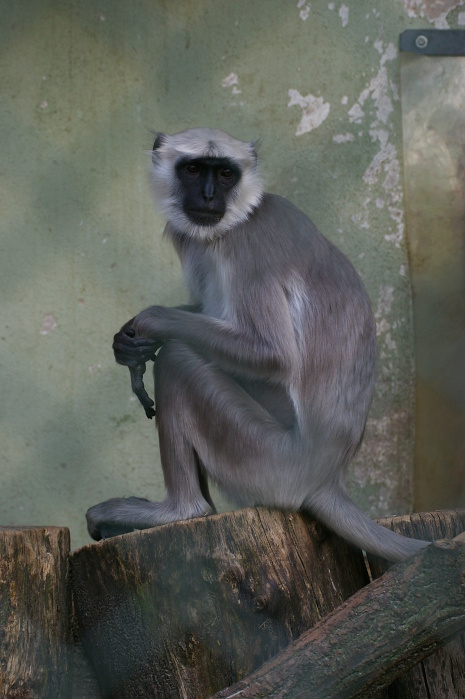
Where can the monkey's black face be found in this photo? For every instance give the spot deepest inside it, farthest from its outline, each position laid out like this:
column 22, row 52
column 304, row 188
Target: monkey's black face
column 206, row 185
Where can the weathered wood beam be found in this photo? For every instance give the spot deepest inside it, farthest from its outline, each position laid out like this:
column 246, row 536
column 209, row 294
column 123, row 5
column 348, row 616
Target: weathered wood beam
column 377, row 634
column 440, row 675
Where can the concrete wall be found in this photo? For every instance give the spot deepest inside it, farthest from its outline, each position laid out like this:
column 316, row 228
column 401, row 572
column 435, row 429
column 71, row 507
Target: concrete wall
column 83, row 84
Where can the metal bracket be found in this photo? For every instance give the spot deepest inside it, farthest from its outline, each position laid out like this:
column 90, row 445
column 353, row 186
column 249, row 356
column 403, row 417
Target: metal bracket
column 434, row 42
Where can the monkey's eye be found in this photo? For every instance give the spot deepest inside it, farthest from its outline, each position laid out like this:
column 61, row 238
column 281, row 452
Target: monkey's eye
column 192, row 169
column 226, row 173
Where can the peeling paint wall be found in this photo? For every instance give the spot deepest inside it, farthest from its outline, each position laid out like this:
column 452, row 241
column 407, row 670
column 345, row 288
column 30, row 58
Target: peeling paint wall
column 437, row 12
column 81, row 249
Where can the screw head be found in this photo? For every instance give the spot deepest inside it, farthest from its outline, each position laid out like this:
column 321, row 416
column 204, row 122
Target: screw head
column 421, row 41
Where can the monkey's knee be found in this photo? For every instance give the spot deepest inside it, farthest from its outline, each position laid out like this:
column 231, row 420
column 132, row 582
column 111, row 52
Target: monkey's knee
column 176, row 369
column 168, row 351
column 171, row 360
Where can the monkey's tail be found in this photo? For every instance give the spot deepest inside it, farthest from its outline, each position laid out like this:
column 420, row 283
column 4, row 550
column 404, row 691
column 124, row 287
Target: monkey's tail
column 335, row 509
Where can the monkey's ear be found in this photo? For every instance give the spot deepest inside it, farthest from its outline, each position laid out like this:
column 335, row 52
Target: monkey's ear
column 254, row 147
column 159, row 139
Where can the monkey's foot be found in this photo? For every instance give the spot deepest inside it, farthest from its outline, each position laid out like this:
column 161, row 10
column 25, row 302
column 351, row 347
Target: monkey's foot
column 122, row 515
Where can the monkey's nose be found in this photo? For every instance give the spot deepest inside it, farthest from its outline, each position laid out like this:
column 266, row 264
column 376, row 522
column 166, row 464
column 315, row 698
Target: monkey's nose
column 209, row 188
column 208, row 194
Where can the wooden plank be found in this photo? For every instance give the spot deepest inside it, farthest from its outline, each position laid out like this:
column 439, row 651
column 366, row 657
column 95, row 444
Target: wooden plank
column 189, row 608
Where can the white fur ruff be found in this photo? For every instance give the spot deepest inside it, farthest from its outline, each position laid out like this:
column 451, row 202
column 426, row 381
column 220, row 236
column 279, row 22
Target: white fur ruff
column 198, row 143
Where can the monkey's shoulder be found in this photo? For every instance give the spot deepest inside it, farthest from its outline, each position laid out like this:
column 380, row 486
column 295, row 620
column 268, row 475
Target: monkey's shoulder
column 275, row 203
column 281, row 215
column 288, row 228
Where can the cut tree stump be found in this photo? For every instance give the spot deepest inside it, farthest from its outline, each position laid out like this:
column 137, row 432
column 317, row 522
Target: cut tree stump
column 189, row 608
column 250, row 600
column 35, row 614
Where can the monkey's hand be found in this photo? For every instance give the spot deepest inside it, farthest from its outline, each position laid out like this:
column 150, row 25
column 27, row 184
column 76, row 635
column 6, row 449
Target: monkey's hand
column 134, row 352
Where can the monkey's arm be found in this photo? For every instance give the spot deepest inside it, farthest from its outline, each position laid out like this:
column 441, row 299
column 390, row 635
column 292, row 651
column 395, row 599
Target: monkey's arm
column 131, row 349
column 261, row 344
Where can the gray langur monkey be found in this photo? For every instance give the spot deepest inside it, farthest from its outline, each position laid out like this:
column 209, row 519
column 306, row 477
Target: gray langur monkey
column 265, row 382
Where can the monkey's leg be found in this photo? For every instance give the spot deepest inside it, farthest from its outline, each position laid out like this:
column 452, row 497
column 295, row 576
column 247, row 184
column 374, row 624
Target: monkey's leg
column 184, row 473
column 187, row 497
column 247, row 441
column 203, row 414
column 235, row 430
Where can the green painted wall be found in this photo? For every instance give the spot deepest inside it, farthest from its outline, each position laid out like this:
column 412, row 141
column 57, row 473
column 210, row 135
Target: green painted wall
column 82, row 85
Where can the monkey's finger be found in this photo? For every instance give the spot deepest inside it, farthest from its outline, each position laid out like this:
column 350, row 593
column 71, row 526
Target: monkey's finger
column 137, row 384
column 144, row 344
column 146, row 402
column 138, row 388
column 132, row 352
column 128, row 339
column 127, row 328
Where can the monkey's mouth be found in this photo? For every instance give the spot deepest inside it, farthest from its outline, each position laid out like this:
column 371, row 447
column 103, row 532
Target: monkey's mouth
column 204, row 217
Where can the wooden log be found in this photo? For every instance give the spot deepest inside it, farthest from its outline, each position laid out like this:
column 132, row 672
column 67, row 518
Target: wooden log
column 442, row 674
column 186, row 609
column 376, row 635
column 35, row 615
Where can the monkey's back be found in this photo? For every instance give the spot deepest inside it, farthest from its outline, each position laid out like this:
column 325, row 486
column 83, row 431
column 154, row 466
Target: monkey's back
column 331, row 315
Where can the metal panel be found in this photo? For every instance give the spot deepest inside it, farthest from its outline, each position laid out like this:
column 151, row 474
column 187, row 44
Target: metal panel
column 434, row 42
column 433, row 114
